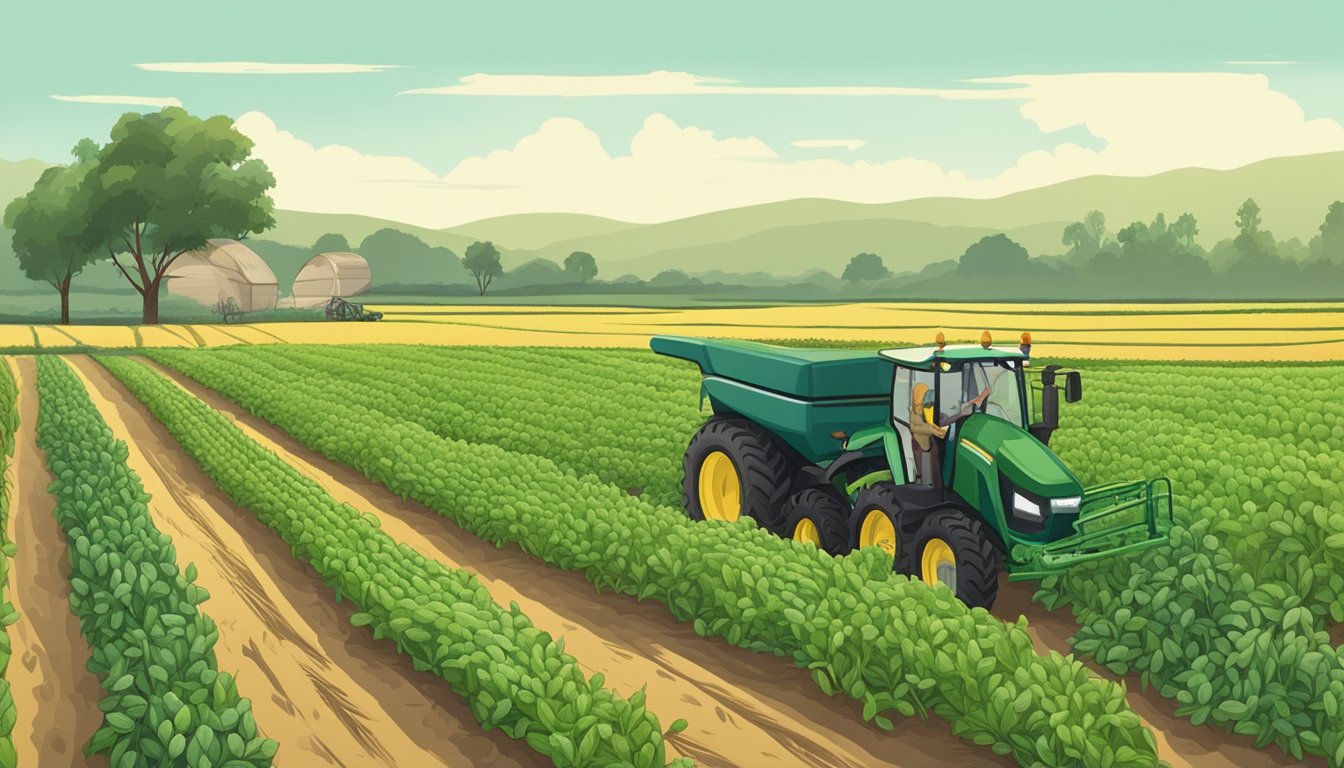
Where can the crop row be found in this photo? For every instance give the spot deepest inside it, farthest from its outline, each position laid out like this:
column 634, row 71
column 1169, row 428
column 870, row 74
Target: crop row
column 896, row 646
column 515, row 676
column 9, row 423
column 1230, row 620
column 623, row 419
column 164, row 701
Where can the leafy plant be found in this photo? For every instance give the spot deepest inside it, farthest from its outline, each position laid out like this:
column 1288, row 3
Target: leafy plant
column 165, row 702
column 514, row 676
column 9, row 423
column 897, row 646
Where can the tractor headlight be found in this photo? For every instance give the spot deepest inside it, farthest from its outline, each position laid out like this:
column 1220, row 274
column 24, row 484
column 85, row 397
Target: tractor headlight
column 1026, row 508
column 1065, row 505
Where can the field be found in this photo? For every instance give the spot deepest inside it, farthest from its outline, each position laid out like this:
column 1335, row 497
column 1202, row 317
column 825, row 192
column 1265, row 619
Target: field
column 1299, row 332
column 389, row 548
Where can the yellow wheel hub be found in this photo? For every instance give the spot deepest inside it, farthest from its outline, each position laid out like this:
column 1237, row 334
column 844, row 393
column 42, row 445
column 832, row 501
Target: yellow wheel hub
column 720, row 488
column 938, row 565
column 877, row 531
column 806, row 530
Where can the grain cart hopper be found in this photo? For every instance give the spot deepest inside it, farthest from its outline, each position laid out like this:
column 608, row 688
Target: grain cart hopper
column 821, row 446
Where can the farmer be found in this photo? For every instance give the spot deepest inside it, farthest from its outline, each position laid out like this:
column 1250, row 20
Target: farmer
column 923, row 431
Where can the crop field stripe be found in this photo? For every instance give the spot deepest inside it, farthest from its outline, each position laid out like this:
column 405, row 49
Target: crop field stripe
column 835, row 616
column 9, row 424
column 514, row 676
column 163, row 695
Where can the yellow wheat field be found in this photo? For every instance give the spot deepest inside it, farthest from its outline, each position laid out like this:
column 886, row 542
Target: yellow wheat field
column 1291, row 332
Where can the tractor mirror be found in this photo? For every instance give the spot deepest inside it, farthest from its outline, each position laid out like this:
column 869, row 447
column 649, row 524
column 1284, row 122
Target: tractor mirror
column 1073, row 387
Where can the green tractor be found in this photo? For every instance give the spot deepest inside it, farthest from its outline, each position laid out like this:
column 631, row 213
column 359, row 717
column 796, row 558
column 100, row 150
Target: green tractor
column 939, row 455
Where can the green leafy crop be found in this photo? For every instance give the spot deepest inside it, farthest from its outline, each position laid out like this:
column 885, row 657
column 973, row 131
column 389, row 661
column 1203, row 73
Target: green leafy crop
column 9, row 423
column 165, row 702
column 515, row 676
column 896, row 646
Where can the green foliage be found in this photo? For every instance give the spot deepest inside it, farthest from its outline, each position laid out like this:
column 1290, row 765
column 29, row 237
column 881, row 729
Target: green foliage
column 1329, row 244
column 165, row 701
column 865, row 266
column 9, row 423
column 895, row 645
column 1230, row 620
column 514, row 676
column 164, row 184
column 994, row 255
column 581, row 265
column 482, row 261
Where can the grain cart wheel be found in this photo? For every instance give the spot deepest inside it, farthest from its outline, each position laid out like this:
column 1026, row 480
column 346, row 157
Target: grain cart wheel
column 819, row 516
column 951, row 548
column 735, row 468
column 875, row 522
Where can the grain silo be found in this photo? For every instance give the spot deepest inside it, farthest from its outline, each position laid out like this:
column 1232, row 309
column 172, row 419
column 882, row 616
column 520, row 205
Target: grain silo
column 224, row 269
column 331, row 274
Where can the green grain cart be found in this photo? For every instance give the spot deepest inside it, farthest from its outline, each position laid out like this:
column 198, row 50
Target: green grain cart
column 939, row 455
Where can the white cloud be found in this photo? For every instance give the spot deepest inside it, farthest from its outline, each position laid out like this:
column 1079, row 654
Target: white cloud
column 850, row 144
column 1147, row 123
column 129, row 101
column 260, row 68
column 662, row 83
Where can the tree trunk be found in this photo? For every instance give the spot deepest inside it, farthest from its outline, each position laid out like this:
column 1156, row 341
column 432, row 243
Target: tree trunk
column 150, row 316
column 64, row 290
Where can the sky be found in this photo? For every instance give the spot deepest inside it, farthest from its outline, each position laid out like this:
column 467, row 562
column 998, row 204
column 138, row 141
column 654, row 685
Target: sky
column 439, row 113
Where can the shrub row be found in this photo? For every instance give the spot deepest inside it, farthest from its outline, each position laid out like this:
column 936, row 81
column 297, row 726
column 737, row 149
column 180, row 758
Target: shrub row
column 898, row 647
column 1230, row 620
column 515, row 676
column 164, row 701
column 635, row 409
column 9, row 423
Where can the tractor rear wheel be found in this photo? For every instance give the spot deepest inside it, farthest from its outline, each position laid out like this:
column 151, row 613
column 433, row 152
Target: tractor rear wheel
column 734, row 468
column 819, row 516
column 876, row 522
column 951, row 548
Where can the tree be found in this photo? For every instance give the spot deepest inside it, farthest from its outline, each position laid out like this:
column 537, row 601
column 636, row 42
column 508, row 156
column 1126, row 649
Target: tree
column 482, row 260
column 1248, row 217
column 165, row 184
column 865, row 266
column 49, row 228
column 1329, row 245
column 331, row 242
column 581, row 265
column 1184, row 230
column 1095, row 221
column 995, row 255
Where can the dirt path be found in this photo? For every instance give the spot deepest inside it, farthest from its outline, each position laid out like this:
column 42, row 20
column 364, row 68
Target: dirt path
column 331, row 694
column 55, row 696
column 1179, row 741
column 745, row 709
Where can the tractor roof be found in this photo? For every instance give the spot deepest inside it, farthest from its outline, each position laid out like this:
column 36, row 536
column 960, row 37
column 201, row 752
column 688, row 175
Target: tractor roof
column 920, row 357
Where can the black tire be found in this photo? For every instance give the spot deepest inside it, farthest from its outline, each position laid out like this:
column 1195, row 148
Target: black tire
column 828, row 513
column 879, row 499
column 764, row 471
column 976, row 559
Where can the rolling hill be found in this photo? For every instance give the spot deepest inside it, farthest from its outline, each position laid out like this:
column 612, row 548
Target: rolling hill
column 796, row 236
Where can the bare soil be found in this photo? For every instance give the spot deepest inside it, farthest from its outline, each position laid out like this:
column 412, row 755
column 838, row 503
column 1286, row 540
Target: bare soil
column 745, row 709
column 1179, row 742
column 55, row 696
column 329, row 692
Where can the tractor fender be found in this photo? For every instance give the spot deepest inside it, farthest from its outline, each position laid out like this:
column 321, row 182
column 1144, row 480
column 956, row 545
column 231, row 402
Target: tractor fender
column 846, row 459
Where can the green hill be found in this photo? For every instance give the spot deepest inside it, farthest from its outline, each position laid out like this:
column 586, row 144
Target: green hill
column 531, row 231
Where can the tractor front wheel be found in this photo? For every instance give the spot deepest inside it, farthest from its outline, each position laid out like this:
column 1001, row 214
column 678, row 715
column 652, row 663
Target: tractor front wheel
column 818, row 516
column 951, row 548
column 734, row 468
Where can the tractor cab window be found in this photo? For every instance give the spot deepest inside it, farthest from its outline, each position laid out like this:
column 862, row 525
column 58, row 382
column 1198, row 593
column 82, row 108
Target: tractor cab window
column 993, row 387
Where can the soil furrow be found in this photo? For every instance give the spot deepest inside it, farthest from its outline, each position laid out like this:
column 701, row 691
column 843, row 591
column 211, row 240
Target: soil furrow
column 1179, row 741
column 327, row 690
column 744, row 709
column 55, row 696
